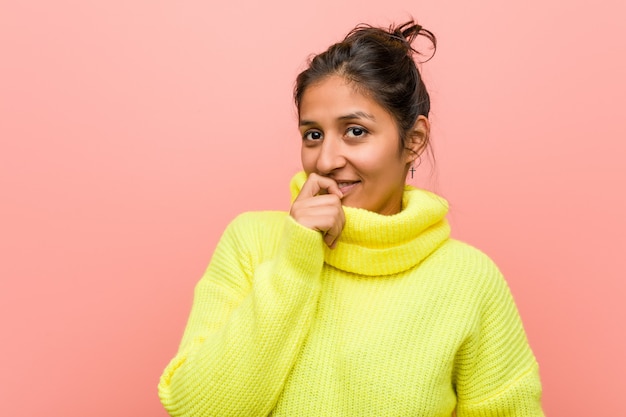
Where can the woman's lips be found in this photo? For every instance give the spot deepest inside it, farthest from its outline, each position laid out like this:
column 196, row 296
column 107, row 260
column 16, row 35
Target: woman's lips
column 347, row 186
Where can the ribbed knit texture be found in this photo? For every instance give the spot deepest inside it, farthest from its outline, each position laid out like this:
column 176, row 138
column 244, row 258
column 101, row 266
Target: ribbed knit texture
column 397, row 320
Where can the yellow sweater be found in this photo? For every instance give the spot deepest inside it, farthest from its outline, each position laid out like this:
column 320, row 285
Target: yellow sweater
column 397, row 320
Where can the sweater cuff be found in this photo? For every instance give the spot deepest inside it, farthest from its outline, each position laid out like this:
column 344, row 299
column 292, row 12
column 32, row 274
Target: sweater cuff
column 521, row 399
column 301, row 250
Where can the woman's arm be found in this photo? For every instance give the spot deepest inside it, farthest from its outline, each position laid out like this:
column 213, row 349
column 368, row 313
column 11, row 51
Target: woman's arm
column 248, row 321
column 497, row 374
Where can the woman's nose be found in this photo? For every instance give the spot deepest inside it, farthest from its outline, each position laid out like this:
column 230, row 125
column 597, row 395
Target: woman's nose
column 330, row 156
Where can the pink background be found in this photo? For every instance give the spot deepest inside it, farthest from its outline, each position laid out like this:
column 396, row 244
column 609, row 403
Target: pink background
column 132, row 132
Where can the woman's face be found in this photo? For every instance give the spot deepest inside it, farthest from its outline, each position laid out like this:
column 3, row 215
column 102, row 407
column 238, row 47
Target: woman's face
column 350, row 138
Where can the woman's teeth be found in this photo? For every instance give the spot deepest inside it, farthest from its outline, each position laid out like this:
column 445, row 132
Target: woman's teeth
column 346, row 186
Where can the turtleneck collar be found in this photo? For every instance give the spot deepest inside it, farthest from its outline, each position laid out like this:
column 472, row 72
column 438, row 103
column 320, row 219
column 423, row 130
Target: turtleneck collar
column 374, row 244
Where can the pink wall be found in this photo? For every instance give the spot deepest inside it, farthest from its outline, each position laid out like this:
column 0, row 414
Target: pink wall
column 132, row 132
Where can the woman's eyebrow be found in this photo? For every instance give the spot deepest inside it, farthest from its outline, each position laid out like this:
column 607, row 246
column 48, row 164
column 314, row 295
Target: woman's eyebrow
column 306, row 123
column 358, row 115
column 349, row 116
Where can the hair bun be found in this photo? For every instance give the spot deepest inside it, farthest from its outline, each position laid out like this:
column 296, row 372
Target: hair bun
column 408, row 32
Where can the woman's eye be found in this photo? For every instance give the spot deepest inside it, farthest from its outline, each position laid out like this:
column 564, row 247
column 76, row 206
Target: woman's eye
column 355, row 132
column 313, row 135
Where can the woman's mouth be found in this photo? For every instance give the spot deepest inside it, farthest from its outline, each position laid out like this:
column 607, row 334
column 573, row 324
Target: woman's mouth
column 347, row 186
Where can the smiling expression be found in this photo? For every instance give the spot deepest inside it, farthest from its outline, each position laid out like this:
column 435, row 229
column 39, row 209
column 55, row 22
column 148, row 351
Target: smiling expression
column 349, row 137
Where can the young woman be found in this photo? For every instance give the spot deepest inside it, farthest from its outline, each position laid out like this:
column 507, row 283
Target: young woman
column 356, row 302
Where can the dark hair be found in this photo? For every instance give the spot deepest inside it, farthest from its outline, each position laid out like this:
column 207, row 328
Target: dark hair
column 380, row 62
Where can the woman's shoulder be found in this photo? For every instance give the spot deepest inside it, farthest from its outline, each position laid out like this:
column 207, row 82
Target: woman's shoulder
column 252, row 224
column 464, row 252
column 470, row 279
column 256, row 233
column 467, row 264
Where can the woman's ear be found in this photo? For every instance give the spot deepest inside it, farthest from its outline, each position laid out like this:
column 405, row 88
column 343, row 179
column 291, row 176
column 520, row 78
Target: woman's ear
column 418, row 139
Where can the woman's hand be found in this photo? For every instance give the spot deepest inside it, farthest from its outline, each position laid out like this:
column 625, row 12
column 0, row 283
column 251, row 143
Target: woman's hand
column 318, row 207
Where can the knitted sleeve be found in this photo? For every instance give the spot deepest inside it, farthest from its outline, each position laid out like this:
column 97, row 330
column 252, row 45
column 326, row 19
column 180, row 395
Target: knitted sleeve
column 248, row 321
column 497, row 374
